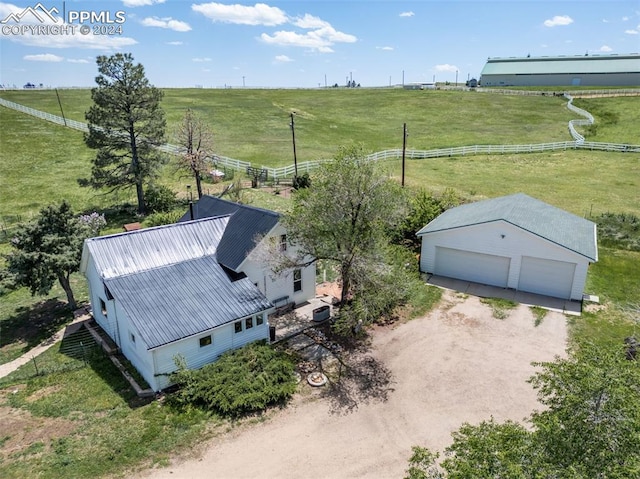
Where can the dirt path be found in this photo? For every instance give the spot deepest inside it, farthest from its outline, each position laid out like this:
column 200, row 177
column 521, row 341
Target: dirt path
column 457, row 364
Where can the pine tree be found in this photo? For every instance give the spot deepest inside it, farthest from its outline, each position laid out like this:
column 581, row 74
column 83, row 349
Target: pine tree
column 126, row 124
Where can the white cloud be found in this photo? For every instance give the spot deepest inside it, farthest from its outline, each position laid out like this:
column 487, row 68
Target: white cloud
column 169, row 23
column 77, row 60
column 605, row 49
column 309, row 21
column 407, row 14
column 388, row 49
column 259, row 14
column 140, row 3
column 43, row 57
column 201, row 60
column 631, row 32
column 446, row 68
column 558, row 20
column 175, row 43
column 604, row 20
column 624, row 19
column 320, row 40
column 283, row 59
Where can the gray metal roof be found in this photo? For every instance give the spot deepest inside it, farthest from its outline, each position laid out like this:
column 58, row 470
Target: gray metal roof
column 173, row 302
column 247, row 224
column 532, row 215
column 141, row 250
column 563, row 65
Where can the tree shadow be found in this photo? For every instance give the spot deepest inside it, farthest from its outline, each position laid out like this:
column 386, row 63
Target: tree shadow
column 361, row 379
column 34, row 324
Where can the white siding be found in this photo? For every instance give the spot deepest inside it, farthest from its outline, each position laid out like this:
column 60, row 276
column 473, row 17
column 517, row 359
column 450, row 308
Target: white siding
column 224, row 338
column 96, row 294
column 279, row 286
column 503, row 239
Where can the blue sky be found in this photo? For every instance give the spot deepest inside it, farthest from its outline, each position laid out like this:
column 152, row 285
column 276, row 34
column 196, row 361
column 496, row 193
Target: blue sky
column 302, row 43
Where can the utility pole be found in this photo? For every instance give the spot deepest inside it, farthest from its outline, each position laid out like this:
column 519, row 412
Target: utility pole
column 456, row 77
column 404, row 149
column 293, row 136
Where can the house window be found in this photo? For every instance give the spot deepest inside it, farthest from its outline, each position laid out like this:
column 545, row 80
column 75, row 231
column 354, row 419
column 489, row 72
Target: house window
column 205, row 341
column 238, row 326
column 259, row 319
column 248, row 323
column 297, row 280
column 103, row 307
column 283, row 243
column 132, row 337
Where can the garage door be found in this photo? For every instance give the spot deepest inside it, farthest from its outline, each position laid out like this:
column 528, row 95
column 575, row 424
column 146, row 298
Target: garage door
column 476, row 267
column 545, row 276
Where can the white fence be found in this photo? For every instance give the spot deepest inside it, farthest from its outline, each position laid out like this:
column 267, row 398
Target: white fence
column 307, row 166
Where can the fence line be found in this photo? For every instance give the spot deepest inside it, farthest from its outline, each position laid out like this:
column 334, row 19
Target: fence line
column 307, row 166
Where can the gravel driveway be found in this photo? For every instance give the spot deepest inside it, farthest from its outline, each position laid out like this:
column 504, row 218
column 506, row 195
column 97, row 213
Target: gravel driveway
column 458, row 364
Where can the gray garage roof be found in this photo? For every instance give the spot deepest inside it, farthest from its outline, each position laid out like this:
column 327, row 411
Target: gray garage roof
column 246, row 224
column 173, row 302
column 563, row 65
column 532, row 215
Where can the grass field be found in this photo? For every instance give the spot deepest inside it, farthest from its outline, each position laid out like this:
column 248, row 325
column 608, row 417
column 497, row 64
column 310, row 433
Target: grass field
column 253, row 125
column 84, row 421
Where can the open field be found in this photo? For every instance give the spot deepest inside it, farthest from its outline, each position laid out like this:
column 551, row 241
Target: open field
column 80, row 419
column 253, row 125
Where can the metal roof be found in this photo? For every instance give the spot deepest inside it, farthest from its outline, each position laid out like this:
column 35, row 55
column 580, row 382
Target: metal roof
column 141, row 250
column 563, row 65
column 173, row 302
column 246, row 225
column 532, row 215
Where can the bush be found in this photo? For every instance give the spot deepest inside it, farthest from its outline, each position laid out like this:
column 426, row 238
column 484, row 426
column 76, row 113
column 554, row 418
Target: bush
column 159, row 199
column 159, row 219
column 243, row 381
column 302, row 181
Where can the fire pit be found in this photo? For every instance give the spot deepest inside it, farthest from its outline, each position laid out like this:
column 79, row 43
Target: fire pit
column 317, row 379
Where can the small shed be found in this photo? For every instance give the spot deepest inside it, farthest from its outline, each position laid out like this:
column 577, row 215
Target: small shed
column 515, row 242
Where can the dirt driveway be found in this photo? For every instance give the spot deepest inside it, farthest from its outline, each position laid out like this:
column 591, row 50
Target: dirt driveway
column 457, row 364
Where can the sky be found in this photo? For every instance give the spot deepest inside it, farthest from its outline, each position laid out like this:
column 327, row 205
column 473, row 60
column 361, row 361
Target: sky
column 300, row 44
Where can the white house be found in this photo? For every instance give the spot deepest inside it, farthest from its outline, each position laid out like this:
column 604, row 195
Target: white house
column 515, row 242
column 247, row 225
column 186, row 290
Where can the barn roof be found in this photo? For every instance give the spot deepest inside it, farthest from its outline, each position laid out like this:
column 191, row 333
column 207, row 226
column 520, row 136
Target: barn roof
column 537, row 217
column 246, row 225
column 563, row 65
column 173, row 302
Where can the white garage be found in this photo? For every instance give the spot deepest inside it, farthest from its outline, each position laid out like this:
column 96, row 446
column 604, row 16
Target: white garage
column 515, row 242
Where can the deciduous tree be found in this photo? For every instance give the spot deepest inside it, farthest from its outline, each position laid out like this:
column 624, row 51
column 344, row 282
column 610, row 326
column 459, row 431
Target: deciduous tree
column 345, row 215
column 126, row 124
column 195, row 136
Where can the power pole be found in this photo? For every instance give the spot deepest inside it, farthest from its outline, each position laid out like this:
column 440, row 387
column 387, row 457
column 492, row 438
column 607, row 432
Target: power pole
column 293, row 136
column 404, row 149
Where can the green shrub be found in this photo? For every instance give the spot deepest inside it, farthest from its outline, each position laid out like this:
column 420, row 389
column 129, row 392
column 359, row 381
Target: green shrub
column 159, row 199
column 159, row 219
column 243, row 381
column 302, row 181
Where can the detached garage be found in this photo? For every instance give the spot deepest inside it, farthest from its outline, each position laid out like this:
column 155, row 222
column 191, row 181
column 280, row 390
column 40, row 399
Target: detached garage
column 515, row 242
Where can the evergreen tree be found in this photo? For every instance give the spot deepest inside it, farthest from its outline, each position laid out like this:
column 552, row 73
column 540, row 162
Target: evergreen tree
column 126, row 124
column 48, row 249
